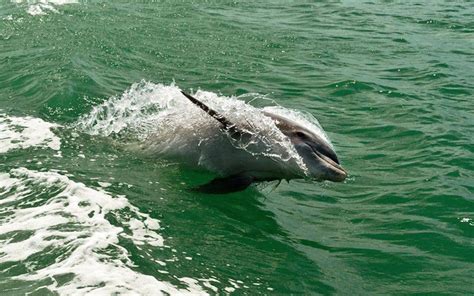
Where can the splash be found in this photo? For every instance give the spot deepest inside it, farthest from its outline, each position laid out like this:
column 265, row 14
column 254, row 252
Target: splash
column 157, row 119
column 25, row 132
column 133, row 114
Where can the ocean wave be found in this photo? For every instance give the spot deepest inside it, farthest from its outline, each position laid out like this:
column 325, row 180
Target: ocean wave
column 57, row 232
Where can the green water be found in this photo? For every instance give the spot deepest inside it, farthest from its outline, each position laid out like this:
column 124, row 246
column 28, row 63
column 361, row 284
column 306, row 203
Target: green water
column 392, row 84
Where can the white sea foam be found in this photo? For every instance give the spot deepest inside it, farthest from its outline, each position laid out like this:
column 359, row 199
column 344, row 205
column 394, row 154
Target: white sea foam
column 163, row 121
column 24, row 132
column 42, row 7
column 467, row 220
column 55, row 215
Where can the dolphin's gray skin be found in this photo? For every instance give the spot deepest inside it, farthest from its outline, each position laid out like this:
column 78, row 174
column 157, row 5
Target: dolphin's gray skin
column 319, row 158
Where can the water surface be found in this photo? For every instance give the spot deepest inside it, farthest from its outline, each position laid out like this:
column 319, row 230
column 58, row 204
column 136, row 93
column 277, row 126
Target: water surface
column 390, row 82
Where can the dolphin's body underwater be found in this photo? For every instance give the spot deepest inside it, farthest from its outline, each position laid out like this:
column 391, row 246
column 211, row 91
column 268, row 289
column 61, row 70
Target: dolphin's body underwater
column 239, row 168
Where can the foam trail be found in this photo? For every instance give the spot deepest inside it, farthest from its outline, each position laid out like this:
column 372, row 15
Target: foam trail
column 42, row 7
column 44, row 214
column 25, row 132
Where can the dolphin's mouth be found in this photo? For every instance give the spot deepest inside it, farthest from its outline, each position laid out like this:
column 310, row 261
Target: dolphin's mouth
column 333, row 171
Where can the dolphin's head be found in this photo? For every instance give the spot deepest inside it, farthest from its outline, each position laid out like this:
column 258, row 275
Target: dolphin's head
column 319, row 157
column 317, row 154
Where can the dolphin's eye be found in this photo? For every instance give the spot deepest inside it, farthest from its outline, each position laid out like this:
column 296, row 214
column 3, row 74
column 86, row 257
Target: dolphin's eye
column 301, row 135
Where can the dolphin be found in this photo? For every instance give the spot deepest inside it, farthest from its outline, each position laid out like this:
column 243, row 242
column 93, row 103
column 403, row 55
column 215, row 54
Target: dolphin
column 243, row 168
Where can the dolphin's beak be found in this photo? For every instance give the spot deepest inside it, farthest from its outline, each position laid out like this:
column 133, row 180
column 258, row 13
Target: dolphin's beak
column 332, row 170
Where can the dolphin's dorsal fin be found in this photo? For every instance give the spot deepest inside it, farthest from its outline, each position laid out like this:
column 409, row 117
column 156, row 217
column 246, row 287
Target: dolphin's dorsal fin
column 226, row 124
